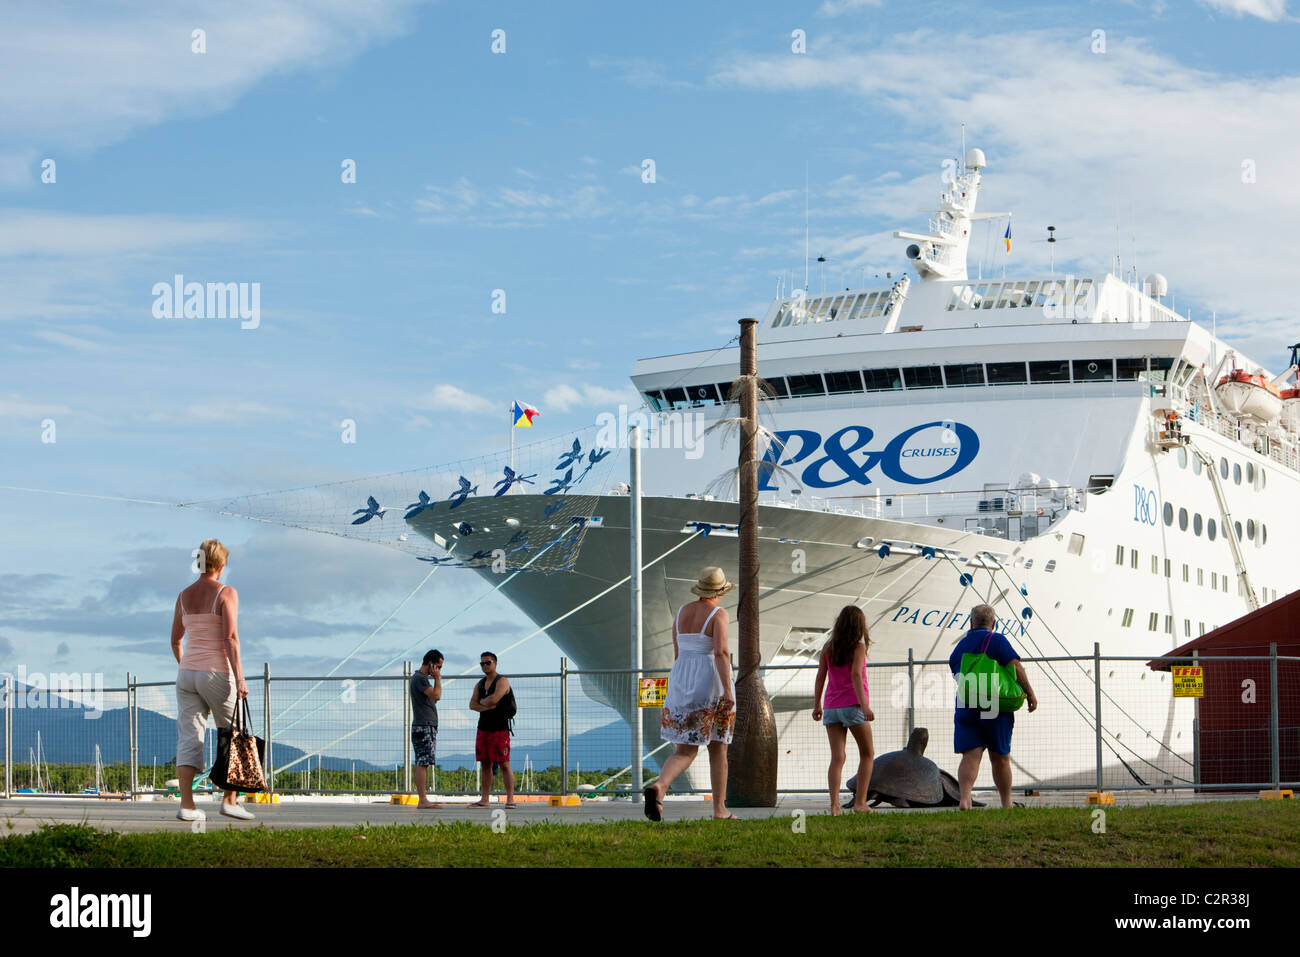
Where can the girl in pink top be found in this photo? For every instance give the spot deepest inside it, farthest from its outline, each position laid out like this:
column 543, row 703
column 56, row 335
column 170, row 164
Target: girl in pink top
column 844, row 660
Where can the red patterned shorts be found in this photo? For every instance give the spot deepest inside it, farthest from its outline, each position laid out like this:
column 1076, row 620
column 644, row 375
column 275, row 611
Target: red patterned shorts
column 492, row 746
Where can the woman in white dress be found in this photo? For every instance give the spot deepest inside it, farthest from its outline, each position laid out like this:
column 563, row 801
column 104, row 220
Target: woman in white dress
column 700, row 706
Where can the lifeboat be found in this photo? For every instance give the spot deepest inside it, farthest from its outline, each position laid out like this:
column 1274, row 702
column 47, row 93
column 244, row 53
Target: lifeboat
column 1291, row 409
column 1249, row 394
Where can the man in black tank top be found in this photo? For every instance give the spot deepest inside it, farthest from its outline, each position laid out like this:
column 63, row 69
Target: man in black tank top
column 495, row 703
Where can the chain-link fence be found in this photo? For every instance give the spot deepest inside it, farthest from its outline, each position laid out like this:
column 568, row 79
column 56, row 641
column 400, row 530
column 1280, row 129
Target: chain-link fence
column 1102, row 723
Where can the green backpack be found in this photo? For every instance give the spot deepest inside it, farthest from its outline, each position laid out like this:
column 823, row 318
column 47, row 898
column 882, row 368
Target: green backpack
column 983, row 681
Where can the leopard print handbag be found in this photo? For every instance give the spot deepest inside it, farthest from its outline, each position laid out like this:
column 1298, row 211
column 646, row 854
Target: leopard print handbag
column 240, row 754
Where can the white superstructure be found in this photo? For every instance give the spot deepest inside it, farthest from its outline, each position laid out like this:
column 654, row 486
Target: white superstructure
column 1054, row 441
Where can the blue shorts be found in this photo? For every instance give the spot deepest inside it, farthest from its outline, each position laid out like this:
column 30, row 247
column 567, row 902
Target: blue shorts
column 978, row 732
column 848, row 717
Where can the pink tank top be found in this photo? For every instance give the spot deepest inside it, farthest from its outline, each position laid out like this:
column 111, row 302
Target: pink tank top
column 205, row 640
column 839, row 686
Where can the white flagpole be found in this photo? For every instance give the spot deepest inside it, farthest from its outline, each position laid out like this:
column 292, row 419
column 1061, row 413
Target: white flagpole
column 512, row 436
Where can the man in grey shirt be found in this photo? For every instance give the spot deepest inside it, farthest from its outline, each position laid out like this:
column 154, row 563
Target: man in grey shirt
column 426, row 689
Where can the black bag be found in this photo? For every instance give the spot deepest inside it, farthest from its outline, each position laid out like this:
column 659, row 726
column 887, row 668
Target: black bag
column 506, row 707
column 241, row 755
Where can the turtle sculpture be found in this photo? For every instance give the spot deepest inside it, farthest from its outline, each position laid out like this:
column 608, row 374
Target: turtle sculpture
column 908, row 778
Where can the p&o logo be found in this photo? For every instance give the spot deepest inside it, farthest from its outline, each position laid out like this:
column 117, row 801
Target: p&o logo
column 945, row 447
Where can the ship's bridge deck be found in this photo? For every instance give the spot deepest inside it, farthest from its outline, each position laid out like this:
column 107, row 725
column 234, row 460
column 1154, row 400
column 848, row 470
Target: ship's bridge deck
column 951, row 305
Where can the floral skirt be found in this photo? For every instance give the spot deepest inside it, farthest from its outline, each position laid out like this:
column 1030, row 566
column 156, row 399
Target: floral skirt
column 700, row 726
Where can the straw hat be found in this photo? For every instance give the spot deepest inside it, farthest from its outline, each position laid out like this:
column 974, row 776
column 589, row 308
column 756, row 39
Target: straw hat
column 713, row 583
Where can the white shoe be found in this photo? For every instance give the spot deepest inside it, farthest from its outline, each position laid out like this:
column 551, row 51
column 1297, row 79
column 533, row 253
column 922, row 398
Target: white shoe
column 235, row 811
column 191, row 815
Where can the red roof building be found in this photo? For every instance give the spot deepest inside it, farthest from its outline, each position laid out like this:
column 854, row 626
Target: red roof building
column 1234, row 743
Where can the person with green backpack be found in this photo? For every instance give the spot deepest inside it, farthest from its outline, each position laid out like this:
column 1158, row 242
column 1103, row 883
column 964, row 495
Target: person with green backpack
column 991, row 686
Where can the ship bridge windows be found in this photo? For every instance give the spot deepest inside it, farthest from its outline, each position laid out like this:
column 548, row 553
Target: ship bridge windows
column 805, row 385
column 702, row 395
column 923, row 377
column 1093, row 370
column 838, row 383
column 779, row 391
column 882, row 380
column 675, row 398
column 1049, row 371
column 655, row 401
column 964, row 375
column 1007, row 373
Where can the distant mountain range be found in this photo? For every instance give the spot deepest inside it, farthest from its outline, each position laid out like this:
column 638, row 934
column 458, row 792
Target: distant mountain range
column 69, row 737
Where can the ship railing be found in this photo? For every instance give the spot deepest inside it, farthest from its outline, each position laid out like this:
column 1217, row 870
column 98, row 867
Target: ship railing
column 1103, row 722
column 1035, row 509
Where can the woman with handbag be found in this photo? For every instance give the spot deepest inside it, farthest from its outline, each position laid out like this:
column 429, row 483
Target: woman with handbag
column 210, row 678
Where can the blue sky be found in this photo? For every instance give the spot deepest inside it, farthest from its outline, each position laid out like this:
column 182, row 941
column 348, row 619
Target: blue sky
column 521, row 171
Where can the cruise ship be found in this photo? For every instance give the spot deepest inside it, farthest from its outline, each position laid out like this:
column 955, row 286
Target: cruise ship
column 1104, row 471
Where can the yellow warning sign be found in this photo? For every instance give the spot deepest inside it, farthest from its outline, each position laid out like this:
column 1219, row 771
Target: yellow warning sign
column 651, row 692
column 1189, row 681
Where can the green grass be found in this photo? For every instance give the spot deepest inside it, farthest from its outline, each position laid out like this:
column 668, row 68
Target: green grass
column 1231, row 834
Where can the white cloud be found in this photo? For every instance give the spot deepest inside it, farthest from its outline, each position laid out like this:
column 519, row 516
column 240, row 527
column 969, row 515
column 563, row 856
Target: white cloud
column 564, row 398
column 1072, row 136
column 1271, row 10
column 834, row 8
column 449, row 398
column 508, row 206
column 641, row 72
column 38, row 233
column 134, row 67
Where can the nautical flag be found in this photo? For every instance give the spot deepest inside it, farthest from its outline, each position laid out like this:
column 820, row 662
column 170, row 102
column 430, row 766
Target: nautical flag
column 1007, row 237
column 522, row 413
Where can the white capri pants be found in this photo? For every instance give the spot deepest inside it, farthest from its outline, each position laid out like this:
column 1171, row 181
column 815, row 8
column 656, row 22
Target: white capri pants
column 197, row 694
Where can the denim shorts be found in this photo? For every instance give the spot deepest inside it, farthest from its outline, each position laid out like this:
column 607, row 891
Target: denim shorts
column 846, row 716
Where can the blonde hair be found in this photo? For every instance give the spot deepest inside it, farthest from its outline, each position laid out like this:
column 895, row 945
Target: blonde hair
column 212, row 556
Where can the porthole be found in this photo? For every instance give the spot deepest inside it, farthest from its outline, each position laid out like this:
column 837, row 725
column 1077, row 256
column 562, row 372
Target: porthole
column 1196, row 523
column 1237, row 528
column 1182, row 457
column 1250, row 529
column 1223, row 469
column 1182, row 519
column 1263, row 534
column 1211, row 530
column 1263, row 479
column 1196, row 466
column 1169, row 514
column 1236, row 474
column 1250, row 473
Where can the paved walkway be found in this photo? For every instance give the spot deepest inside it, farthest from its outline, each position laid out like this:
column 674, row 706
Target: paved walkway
column 24, row 815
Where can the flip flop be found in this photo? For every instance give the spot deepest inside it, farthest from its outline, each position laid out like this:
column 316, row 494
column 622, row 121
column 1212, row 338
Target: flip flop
column 729, row 817
column 512, row 804
column 653, row 808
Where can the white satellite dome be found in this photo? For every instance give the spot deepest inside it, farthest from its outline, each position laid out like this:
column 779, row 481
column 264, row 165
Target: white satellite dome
column 1158, row 285
column 975, row 159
